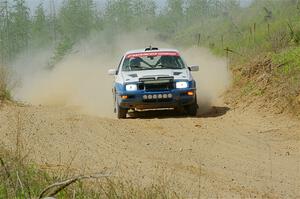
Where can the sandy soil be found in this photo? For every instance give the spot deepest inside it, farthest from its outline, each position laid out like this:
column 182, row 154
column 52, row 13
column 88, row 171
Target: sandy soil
column 227, row 153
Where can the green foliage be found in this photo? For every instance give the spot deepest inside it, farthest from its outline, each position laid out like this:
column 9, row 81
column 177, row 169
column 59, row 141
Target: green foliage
column 174, row 13
column 20, row 26
column 143, row 12
column 76, row 19
column 62, row 49
column 14, row 29
column 197, row 9
column 129, row 15
column 40, row 28
column 288, row 60
column 119, row 14
column 4, row 90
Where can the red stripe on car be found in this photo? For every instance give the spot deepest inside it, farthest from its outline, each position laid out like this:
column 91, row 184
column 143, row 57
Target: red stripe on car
column 152, row 54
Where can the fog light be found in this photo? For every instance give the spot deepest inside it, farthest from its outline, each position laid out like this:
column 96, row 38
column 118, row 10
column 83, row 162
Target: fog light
column 154, row 96
column 124, row 97
column 145, row 97
column 159, row 96
column 170, row 95
column 149, row 96
column 190, row 93
column 165, row 96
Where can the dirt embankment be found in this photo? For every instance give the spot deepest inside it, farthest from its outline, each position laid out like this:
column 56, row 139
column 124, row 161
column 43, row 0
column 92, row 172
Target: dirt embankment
column 240, row 152
column 262, row 81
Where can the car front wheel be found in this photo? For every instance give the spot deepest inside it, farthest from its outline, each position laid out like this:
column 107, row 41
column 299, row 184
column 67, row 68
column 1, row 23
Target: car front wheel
column 192, row 109
column 121, row 112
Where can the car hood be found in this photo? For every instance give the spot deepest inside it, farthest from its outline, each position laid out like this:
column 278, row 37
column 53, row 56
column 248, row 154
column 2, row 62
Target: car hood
column 134, row 76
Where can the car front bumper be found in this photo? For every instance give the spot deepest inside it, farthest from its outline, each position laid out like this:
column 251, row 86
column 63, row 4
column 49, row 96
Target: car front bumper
column 176, row 98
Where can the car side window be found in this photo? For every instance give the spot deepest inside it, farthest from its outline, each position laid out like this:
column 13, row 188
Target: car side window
column 126, row 64
column 119, row 67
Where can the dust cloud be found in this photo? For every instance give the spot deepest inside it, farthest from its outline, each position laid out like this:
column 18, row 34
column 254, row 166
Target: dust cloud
column 80, row 80
column 212, row 79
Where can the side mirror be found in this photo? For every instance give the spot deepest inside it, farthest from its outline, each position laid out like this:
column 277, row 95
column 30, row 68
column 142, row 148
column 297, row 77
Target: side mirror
column 112, row 72
column 194, row 68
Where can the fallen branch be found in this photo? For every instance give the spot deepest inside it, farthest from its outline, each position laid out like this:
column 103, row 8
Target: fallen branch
column 282, row 64
column 20, row 182
column 59, row 186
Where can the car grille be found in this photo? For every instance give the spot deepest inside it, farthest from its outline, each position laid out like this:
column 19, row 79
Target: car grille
column 156, row 87
column 159, row 84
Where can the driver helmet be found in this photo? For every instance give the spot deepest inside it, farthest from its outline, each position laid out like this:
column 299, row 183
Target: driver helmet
column 166, row 61
column 136, row 62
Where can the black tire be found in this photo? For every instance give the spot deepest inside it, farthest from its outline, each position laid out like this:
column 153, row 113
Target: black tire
column 192, row 109
column 179, row 110
column 121, row 113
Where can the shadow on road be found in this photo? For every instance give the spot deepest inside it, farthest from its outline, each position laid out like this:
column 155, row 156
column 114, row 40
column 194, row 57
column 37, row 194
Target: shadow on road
column 152, row 114
column 214, row 111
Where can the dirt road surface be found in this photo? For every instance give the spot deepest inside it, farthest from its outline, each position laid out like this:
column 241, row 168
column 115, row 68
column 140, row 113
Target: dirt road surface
column 228, row 153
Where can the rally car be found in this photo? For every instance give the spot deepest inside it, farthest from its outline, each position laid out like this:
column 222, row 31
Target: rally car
column 154, row 78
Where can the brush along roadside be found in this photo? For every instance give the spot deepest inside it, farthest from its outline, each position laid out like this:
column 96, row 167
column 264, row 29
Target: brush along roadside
column 20, row 179
column 4, row 91
column 269, row 80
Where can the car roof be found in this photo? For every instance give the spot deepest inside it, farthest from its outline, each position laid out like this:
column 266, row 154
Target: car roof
column 150, row 51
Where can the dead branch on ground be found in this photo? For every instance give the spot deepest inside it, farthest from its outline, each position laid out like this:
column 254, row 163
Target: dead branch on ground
column 55, row 188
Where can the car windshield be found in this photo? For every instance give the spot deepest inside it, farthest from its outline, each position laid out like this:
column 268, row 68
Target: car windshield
column 152, row 61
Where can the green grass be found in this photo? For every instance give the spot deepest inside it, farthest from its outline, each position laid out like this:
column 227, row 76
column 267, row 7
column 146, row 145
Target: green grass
column 19, row 180
column 287, row 74
column 288, row 61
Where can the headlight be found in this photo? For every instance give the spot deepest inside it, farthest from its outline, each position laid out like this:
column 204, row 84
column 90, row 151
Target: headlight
column 181, row 84
column 131, row 87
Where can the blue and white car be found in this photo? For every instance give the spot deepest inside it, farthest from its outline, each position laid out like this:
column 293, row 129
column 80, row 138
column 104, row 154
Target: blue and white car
column 154, row 78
